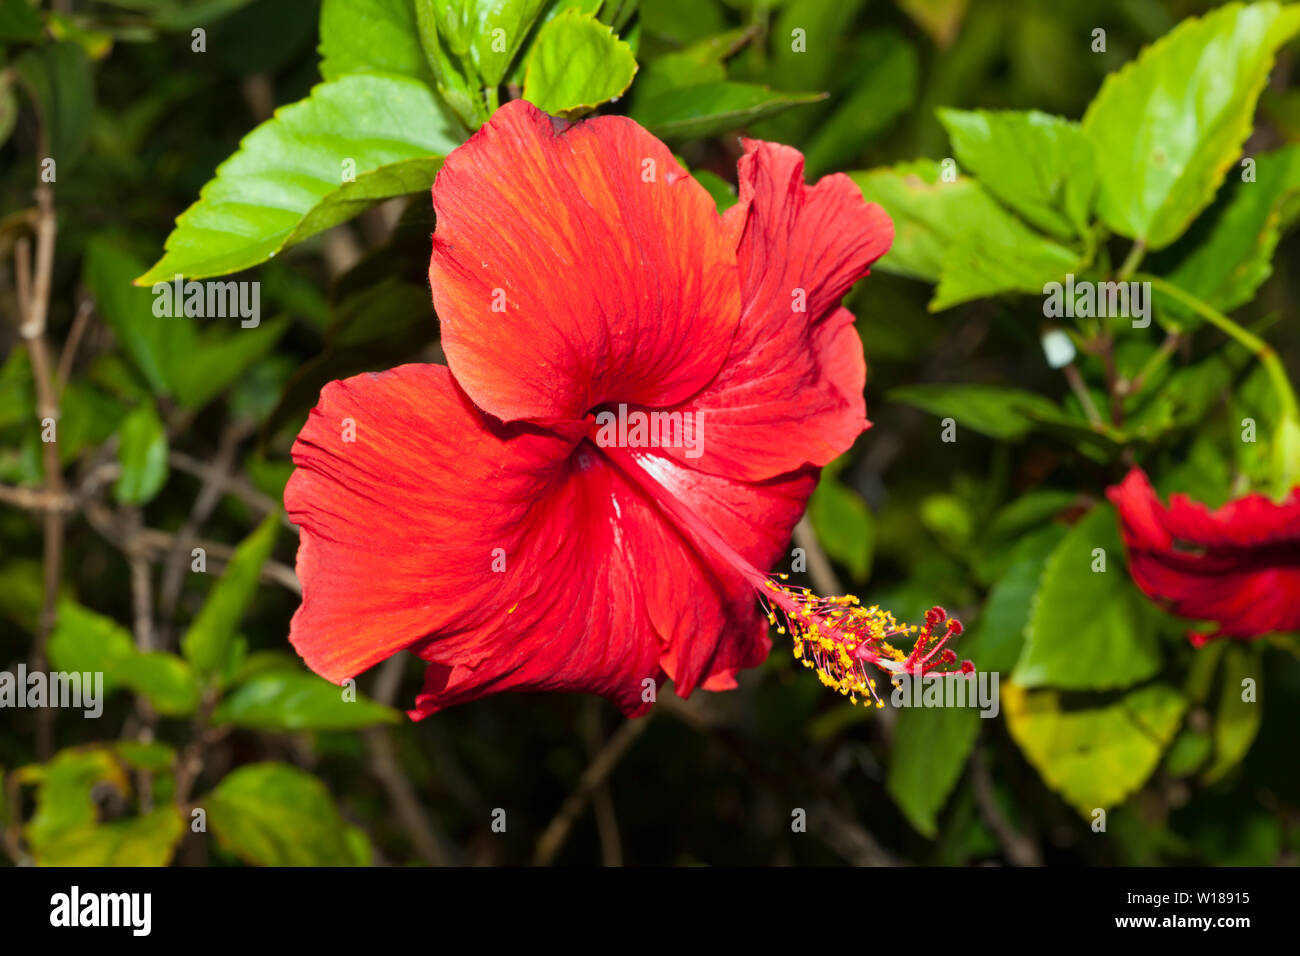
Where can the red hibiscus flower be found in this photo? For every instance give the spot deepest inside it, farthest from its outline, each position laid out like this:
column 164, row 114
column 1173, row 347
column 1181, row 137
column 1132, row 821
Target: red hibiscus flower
column 637, row 399
column 1238, row 566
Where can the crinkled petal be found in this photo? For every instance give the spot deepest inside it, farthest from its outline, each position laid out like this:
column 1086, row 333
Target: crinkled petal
column 400, row 524
column 629, row 597
column 1238, row 565
column 514, row 557
column 576, row 265
column 790, row 392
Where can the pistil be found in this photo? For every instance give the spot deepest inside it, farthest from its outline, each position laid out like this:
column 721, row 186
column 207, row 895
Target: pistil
column 835, row 636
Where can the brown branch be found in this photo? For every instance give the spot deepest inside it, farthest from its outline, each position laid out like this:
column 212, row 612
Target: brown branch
column 1112, row 381
column 602, row 800
column 1080, row 389
column 36, row 499
column 226, row 483
column 158, row 543
column 141, row 584
column 12, row 834
column 825, row 581
column 834, row 826
column 209, row 496
column 597, row 772
column 430, row 844
column 1019, row 849
column 79, row 325
column 33, row 285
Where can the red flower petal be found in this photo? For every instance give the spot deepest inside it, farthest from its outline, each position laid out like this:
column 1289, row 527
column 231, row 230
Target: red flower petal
column 622, row 595
column 790, row 392
column 1238, row 565
column 613, row 288
column 599, row 591
column 399, row 526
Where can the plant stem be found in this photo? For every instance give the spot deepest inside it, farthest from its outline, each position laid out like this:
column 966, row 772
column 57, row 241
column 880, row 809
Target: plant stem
column 1166, row 349
column 1080, row 389
column 1132, row 261
column 1253, row 343
column 34, row 285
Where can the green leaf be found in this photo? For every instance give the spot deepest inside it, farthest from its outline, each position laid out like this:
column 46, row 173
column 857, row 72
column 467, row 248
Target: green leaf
column 948, row 518
column 171, row 354
column 996, row 640
column 1185, row 397
column 483, row 35
column 377, row 327
column 19, row 20
column 287, row 181
column 1285, row 464
column 1089, row 630
column 576, row 64
column 142, row 453
column 1236, row 258
column 22, row 592
column 206, row 644
column 271, row 814
column 884, row 90
column 8, row 105
column 824, row 24
column 463, row 92
column 363, row 853
column 298, row 701
column 701, row 62
column 1028, row 510
column 84, row 641
column 148, row 840
column 223, row 359
column 710, row 109
column 1188, row 752
column 953, row 232
column 1093, row 756
column 165, row 679
column 1237, row 721
column 1005, row 413
column 930, row 748
column 153, row 756
column 682, row 21
column 844, row 525
column 1038, row 165
column 64, row 800
column 1167, row 126
column 370, row 36
column 724, row 196
column 158, row 346
column 58, row 79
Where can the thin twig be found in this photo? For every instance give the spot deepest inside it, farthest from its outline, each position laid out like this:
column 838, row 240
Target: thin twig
column 825, row 581
column 79, row 325
column 36, row 499
column 836, row 828
column 1080, row 389
column 12, row 835
column 157, row 543
column 227, row 484
column 141, row 583
column 601, row 766
column 205, row 503
column 1019, row 849
column 429, row 843
column 602, row 800
column 33, row 283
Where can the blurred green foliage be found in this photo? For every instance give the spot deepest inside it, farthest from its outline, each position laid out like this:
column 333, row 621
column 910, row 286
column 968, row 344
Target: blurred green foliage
column 1011, row 141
